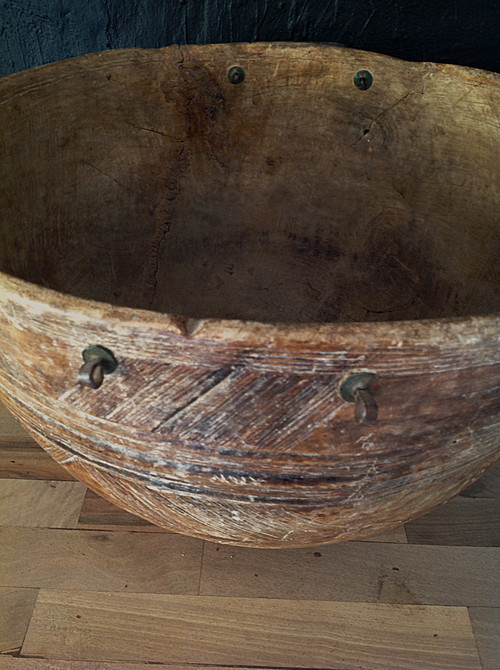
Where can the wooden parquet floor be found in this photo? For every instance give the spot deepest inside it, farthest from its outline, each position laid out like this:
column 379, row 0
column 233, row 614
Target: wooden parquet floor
column 85, row 586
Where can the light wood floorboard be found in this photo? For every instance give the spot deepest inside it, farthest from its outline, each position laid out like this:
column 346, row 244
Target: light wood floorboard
column 358, row 572
column 260, row 632
column 471, row 522
column 486, row 627
column 43, row 504
column 16, row 608
column 99, row 560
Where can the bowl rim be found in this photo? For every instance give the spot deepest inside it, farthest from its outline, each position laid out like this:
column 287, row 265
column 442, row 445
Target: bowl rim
column 466, row 330
column 439, row 331
column 445, row 67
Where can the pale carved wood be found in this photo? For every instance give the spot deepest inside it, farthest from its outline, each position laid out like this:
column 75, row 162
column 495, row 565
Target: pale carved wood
column 240, row 248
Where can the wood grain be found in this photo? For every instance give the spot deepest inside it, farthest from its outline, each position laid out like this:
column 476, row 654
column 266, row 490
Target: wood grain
column 240, row 249
column 100, row 514
column 97, row 560
column 45, row 504
column 232, row 631
column 21, row 456
column 11, row 663
column 357, row 572
column 28, row 461
column 10, row 429
column 360, row 229
column 463, row 521
column 486, row 626
column 296, row 584
column 397, row 535
column 16, row 608
column 488, row 486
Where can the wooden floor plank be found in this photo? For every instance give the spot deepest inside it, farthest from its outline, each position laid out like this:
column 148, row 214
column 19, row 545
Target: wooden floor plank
column 358, row 572
column 100, row 514
column 98, row 560
column 16, row 608
column 44, row 504
column 18, row 663
column 397, row 535
column 20, row 455
column 486, row 487
column 26, row 460
column 473, row 522
column 10, row 428
column 257, row 632
column 486, row 627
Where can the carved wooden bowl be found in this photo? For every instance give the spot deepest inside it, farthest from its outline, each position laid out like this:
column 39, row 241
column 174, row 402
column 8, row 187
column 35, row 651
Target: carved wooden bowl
column 282, row 265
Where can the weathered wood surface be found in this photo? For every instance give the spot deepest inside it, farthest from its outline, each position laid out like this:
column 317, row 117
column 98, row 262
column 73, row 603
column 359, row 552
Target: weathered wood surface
column 16, row 608
column 357, row 572
column 97, row 513
column 44, row 503
column 99, row 561
column 14, row 663
column 464, row 521
column 486, row 487
column 217, row 630
column 486, row 626
column 357, row 229
column 21, row 457
column 384, row 571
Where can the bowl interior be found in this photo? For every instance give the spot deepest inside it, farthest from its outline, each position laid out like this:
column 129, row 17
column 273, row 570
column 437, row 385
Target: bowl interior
column 148, row 179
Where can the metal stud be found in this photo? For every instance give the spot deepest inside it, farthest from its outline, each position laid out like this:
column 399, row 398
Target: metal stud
column 359, row 388
column 236, row 74
column 98, row 361
column 363, row 80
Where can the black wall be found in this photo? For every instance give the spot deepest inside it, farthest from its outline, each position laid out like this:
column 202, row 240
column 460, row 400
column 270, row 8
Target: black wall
column 33, row 32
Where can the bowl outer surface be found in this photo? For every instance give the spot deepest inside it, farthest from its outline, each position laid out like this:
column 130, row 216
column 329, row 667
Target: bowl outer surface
column 234, row 431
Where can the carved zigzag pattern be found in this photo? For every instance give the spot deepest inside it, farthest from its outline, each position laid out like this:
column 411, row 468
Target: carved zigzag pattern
column 223, row 406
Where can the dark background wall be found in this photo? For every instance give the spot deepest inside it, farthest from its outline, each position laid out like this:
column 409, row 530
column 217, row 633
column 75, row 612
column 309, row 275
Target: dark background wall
column 33, row 32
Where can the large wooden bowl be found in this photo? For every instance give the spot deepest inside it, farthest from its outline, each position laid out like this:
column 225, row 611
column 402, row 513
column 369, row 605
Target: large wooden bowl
column 243, row 227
